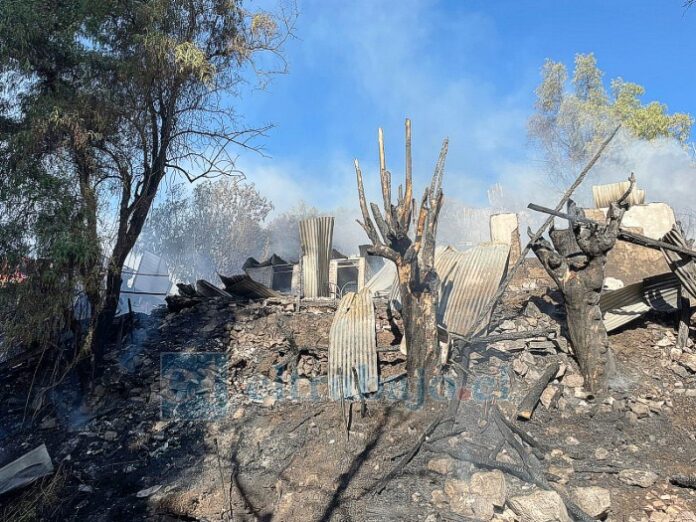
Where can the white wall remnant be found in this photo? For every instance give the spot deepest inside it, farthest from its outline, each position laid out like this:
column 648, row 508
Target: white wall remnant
column 505, row 228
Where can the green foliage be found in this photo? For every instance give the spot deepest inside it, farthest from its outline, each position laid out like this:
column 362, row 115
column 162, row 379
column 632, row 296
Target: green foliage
column 569, row 124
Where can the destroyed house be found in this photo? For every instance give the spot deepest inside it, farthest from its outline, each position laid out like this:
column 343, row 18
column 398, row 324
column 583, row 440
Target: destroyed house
column 275, row 273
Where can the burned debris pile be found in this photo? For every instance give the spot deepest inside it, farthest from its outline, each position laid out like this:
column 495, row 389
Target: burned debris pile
column 411, row 382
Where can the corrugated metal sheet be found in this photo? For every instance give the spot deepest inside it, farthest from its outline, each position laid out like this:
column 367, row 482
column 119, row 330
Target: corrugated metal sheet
column 661, row 292
column 353, row 345
column 244, row 286
column 468, row 280
column 620, row 307
column 315, row 238
column 382, row 282
column 682, row 266
column 207, row 289
column 604, row 195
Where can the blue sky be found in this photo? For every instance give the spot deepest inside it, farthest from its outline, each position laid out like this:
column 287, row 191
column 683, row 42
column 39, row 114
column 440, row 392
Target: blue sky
column 464, row 69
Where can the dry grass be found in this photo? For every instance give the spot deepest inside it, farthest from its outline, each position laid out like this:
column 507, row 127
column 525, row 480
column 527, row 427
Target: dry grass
column 38, row 502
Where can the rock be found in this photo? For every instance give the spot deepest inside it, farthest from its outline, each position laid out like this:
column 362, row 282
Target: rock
column 456, row 488
column 637, row 477
column 574, row 380
column 571, row 441
column 601, row 454
column 84, row 488
column 269, row 401
column 519, row 367
column 641, row 410
column 441, row 466
column 508, row 325
column 659, row 516
column 664, row 342
column 540, row 506
column 531, row 310
column 489, row 485
column 689, row 361
column 238, row 414
column 593, row 500
column 438, row 498
column 144, row 493
column 548, row 395
column 110, row 435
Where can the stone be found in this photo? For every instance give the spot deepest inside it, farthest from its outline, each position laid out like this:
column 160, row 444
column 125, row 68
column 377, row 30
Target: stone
column 593, row 500
column 110, row 435
column 489, row 485
column 238, row 414
column 637, row 477
column 441, row 466
column 689, row 361
column 438, row 498
column 601, row 454
column 641, row 410
column 540, row 506
column 456, row 488
column 574, row 380
column 659, row 516
column 548, row 395
column 519, row 367
column 664, row 342
column 508, row 325
column 269, row 401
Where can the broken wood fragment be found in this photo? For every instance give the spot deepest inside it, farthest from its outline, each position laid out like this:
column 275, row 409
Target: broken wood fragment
column 684, row 319
column 684, row 481
column 530, row 401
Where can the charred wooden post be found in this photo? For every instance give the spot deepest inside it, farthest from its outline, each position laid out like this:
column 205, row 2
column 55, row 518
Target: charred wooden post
column 414, row 258
column 576, row 262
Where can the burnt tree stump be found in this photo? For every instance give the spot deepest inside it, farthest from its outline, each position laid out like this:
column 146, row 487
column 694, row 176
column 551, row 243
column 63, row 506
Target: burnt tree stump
column 576, row 262
column 414, row 256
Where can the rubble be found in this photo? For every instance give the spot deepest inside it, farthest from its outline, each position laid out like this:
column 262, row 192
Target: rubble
column 540, row 506
column 637, row 477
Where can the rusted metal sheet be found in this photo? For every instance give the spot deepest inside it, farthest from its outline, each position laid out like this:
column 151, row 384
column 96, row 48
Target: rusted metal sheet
column 353, row 346
column 468, row 280
column 620, row 307
column 682, row 266
column 604, row 195
column 244, row 286
column 316, row 236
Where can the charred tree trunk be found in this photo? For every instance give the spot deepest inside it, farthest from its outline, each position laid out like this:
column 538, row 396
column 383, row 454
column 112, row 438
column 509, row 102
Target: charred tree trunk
column 414, row 257
column 576, row 262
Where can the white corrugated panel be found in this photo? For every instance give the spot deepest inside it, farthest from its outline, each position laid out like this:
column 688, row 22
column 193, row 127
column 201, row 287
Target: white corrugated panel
column 316, row 236
column 468, row 281
column 604, row 195
column 352, row 344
